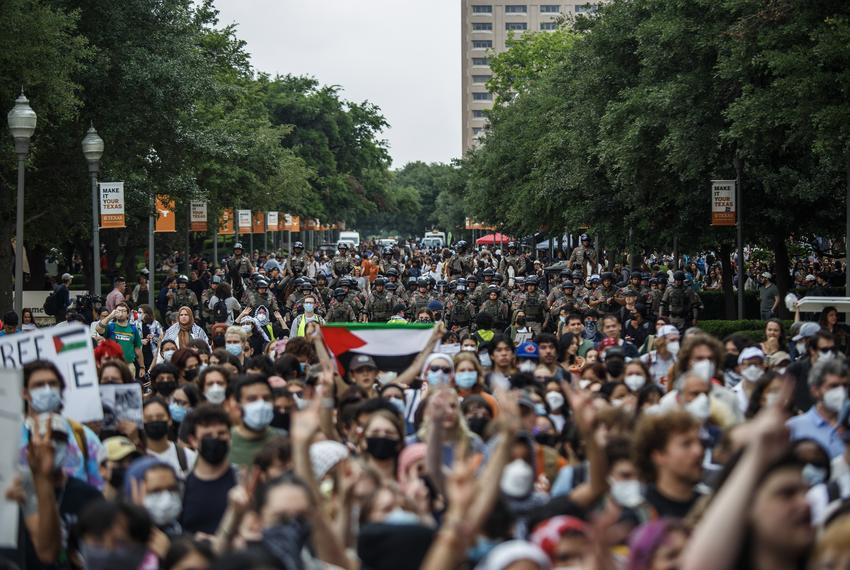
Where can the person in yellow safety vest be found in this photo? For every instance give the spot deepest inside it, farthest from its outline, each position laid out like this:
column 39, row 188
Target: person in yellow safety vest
column 299, row 323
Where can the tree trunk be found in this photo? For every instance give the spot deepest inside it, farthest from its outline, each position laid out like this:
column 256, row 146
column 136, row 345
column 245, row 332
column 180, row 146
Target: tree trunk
column 729, row 309
column 783, row 279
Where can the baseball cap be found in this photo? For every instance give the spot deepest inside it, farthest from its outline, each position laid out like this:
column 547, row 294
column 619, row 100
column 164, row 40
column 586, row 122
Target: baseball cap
column 810, row 277
column 362, row 361
column 778, row 358
column 118, row 447
column 807, row 330
column 66, row 276
column 750, row 352
column 667, row 330
column 766, row 275
column 528, row 349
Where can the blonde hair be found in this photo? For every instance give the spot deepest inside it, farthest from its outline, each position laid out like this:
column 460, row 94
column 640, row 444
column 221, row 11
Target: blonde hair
column 236, row 329
column 469, row 357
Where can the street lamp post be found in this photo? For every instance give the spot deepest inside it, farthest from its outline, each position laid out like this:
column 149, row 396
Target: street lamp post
column 22, row 120
column 93, row 150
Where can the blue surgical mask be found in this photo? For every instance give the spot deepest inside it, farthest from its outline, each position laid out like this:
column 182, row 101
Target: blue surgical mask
column 399, row 404
column 45, row 399
column 308, row 307
column 234, row 349
column 466, row 379
column 258, row 415
column 437, row 378
column 539, row 409
column 178, row 412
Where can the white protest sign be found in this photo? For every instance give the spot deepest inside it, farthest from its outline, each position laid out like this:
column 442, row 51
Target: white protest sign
column 70, row 349
column 198, row 215
column 244, row 217
column 11, row 418
column 121, row 402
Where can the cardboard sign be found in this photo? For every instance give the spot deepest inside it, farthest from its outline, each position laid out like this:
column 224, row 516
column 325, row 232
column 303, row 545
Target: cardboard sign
column 225, row 223
column 121, row 402
column 165, row 222
column 70, row 349
column 198, row 216
column 723, row 205
column 244, row 219
column 272, row 222
column 111, row 205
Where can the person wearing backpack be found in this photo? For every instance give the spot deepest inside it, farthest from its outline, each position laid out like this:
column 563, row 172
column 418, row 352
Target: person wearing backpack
column 57, row 303
column 223, row 305
column 116, row 326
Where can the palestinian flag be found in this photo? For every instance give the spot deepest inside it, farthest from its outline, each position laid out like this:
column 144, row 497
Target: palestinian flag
column 71, row 340
column 393, row 347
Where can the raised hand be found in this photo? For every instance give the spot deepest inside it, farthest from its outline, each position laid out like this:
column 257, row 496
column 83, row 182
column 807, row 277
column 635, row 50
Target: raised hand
column 40, row 450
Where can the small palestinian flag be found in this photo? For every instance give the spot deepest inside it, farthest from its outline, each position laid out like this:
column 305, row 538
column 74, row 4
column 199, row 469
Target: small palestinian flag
column 72, row 340
column 393, row 347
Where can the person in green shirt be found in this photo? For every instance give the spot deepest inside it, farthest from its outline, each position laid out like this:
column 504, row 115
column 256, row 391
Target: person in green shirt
column 253, row 395
column 116, row 326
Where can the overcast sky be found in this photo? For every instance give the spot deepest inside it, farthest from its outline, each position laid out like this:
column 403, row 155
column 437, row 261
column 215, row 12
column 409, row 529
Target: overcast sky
column 402, row 55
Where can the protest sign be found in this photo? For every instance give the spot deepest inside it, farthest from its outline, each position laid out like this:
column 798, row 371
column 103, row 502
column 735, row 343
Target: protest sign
column 70, row 349
column 121, row 402
column 11, row 417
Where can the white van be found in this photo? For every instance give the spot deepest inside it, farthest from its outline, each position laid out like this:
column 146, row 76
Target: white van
column 351, row 238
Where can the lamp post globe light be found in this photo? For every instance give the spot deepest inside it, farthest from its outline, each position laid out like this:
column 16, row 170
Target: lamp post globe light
column 22, row 121
column 93, row 150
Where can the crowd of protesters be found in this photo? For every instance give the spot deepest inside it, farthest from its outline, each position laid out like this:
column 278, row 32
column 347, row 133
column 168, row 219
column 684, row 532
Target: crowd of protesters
column 569, row 419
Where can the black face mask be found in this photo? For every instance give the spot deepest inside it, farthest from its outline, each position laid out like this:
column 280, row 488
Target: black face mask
column 213, row 450
column 730, row 362
column 478, row 424
column 382, row 448
column 286, row 540
column 156, row 430
column 165, row 388
column 549, row 439
column 520, row 322
column 615, row 367
column 190, row 375
column 281, row 420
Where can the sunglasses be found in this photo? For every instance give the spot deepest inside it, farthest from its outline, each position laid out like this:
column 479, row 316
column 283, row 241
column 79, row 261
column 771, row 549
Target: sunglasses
column 447, row 370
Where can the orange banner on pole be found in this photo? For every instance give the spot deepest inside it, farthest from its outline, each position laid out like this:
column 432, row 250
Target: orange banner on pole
column 258, row 225
column 290, row 223
column 165, row 221
column 225, row 223
column 311, row 224
column 475, row 225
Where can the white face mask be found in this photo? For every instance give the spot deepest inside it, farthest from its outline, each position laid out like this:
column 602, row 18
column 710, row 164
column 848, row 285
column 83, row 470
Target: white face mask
column 673, row 347
column 801, row 347
column 752, row 373
column 833, row 399
column 527, row 365
column 258, row 414
column 215, row 393
column 813, row 475
column 167, row 354
column 704, row 369
column 699, row 407
column 634, row 382
column 484, row 358
column 555, row 400
column 163, row 506
column 626, row 493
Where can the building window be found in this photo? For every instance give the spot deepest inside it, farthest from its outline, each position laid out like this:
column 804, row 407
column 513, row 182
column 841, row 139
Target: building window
column 482, row 9
column 516, row 9
column 480, row 61
column 477, row 131
column 482, row 26
column 516, row 26
column 479, row 114
column 481, row 78
column 482, row 44
column 550, row 9
column 585, row 9
column 479, row 96
column 548, row 26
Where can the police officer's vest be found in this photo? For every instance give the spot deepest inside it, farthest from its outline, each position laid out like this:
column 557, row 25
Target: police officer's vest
column 534, row 307
column 380, row 306
column 678, row 301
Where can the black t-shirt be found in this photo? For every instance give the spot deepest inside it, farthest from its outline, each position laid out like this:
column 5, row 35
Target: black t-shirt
column 667, row 507
column 73, row 500
column 204, row 502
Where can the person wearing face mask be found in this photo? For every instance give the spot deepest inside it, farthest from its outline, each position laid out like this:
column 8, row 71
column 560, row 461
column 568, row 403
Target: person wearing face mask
column 828, row 385
column 166, row 352
column 663, row 353
column 751, row 367
column 164, row 379
column 115, row 535
column 253, row 396
column 478, row 414
column 818, row 347
column 42, row 393
column 624, row 486
column 468, row 378
column 298, row 327
column 50, row 500
column 154, row 485
column 635, row 376
column 702, row 355
column 382, row 442
column 438, row 370
column 213, row 383
column 207, row 486
column 157, row 425
column 236, row 343
column 527, row 354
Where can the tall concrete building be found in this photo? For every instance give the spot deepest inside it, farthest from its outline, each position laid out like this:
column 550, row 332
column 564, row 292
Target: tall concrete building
column 487, row 25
